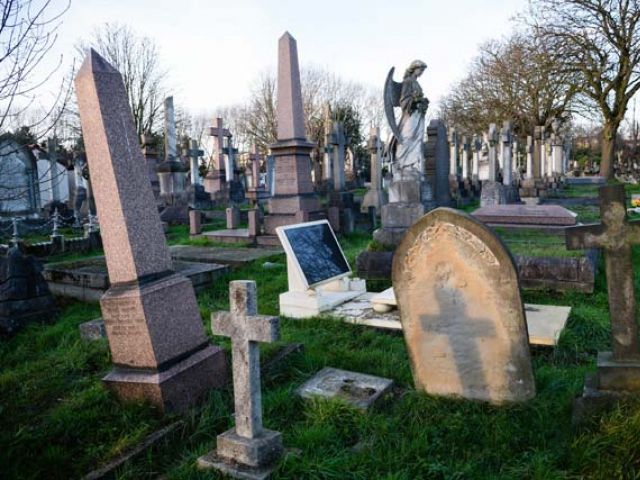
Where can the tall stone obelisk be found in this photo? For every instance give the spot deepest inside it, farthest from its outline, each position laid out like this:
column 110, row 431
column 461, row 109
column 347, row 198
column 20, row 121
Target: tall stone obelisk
column 158, row 346
column 294, row 199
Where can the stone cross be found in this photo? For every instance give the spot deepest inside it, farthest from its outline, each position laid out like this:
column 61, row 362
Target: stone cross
column 477, row 148
column 246, row 328
column 170, row 149
column 507, row 167
column 328, row 125
column 543, row 152
column 529, row 173
column 254, row 158
column 615, row 236
column 492, row 140
column 194, row 153
column 219, row 133
column 375, row 150
column 230, row 160
column 52, row 145
column 466, row 147
column 339, row 141
column 453, row 146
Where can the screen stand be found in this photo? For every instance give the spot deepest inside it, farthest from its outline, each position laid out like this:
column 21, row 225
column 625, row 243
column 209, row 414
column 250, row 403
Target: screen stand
column 302, row 302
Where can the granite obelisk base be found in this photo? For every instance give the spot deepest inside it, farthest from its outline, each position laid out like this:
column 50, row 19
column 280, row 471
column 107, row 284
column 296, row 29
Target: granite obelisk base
column 295, row 200
column 172, row 370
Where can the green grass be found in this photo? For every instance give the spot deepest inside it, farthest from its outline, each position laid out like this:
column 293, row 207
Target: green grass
column 535, row 243
column 58, row 421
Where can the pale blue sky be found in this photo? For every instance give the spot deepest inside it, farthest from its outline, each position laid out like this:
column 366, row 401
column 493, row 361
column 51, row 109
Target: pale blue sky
column 213, row 49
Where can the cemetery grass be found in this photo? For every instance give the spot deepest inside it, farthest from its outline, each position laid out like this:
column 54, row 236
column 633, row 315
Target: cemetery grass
column 58, row 421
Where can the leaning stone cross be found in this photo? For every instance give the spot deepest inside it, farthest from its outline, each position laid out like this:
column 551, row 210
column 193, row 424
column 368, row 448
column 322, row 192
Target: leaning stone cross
column 248, row 444
column 615, row 236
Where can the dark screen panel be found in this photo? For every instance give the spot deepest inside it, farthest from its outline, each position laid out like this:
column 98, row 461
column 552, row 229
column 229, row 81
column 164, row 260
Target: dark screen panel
column 317, row 251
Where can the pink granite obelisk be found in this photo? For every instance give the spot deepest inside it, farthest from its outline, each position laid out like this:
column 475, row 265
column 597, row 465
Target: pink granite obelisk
column 294, row 199
column 158, row 346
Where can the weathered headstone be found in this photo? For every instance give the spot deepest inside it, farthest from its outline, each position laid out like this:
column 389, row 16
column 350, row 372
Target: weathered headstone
column 216, row 179
column 618, row 370
column 375, row 197
column 24, row 294
column 293, row 191
column 158, row 345
column 462, row 316
column 248, row 448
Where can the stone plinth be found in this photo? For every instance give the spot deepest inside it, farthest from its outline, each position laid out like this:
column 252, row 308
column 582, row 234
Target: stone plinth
column 554, row 215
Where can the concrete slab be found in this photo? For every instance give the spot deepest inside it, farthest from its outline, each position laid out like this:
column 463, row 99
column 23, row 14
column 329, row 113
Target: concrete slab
column 526, row 215
column 544, row 322
column 357, row 389
column 87, row 280
column 234, row 257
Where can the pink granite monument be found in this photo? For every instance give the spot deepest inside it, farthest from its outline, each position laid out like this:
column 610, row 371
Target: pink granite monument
column 294, row 199
column 158, row 346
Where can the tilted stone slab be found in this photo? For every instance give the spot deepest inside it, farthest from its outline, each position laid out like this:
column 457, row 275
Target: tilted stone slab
column 463, row 318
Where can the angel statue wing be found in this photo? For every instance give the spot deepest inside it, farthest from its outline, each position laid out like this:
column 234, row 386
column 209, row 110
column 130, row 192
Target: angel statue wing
column 392, row 90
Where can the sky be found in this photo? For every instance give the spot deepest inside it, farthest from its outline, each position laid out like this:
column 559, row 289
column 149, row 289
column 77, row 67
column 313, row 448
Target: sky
column 214, row 49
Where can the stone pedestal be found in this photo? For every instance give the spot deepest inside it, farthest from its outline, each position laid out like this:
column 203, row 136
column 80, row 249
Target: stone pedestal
column 150, row 360
column 293, row 189
column 613, row 381
column 493, row 193
column 405, row 207
column 233, row 217
column 195, row 227
column 255, row 220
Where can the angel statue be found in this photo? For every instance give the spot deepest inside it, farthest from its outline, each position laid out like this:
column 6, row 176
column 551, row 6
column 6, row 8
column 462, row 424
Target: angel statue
column 406, row 146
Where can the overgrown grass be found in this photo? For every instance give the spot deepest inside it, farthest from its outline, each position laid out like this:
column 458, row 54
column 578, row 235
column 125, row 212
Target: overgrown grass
column 58, row 421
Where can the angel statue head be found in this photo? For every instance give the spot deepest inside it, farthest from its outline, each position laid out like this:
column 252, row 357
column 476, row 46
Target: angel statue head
column 417, row 67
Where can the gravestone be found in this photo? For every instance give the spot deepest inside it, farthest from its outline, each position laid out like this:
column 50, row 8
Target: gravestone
column 462, row 317
column 293, row 192
column 357, row 389
column 24, row 294
column 215, row 182
column 158, row 346
column 172, row 173
column 248, row 450
column 376, row 196
column 20, row 193
column 196, row 194
column 438, row 162
column 618, row 370
column 317, row 270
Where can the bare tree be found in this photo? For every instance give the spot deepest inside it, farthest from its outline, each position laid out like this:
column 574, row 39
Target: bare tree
column 28, row 31
column 138, row 60
column 599, row 40
column 516, row 79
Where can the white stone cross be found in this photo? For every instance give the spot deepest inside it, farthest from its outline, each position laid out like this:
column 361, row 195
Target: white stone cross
column 246, row 328
column 218, row 133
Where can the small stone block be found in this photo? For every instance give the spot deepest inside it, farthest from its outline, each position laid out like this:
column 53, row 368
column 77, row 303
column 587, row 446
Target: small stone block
column 357, row 389
column 93, row 330
column 618, row 376
column 260, row 451
column 234, row 470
